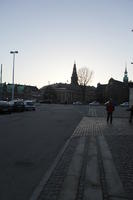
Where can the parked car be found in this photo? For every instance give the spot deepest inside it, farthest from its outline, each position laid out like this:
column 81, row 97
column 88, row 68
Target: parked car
column 77, row 103
column 124, row 104
column 29, row 105
column 17, row 105
column 5, row 107
column 94, row 103
column 47, row 101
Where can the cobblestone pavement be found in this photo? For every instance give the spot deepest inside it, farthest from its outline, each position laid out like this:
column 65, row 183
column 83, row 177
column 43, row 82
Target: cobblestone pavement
column 119, row 136
column 53, row 186
column 97, row 163
column 121, row 147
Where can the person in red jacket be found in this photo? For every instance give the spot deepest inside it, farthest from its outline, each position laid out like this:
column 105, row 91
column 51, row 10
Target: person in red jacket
column 110, row 108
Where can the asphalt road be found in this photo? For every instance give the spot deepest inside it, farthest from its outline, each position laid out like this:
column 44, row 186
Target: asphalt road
column 29, row 143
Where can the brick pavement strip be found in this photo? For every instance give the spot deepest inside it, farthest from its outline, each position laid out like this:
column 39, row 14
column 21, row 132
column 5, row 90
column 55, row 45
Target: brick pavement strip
column 114, row 185
column 94, row 127
column 65, row 184
column 70, row 185
column 121, row 147
column 92, row 188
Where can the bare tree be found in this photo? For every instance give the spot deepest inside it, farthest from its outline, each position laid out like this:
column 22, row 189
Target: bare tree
column 84, row 76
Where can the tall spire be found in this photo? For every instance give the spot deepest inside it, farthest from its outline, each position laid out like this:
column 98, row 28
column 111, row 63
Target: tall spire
column 74, row 77
column 125, row 78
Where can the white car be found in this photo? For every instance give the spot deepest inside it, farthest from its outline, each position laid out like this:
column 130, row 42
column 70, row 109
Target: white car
column 29, row 105
column 77, row 103
column 94, row 103
column 125, row 104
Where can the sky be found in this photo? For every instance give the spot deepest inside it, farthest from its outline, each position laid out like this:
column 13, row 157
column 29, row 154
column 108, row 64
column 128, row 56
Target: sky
column 50, row 35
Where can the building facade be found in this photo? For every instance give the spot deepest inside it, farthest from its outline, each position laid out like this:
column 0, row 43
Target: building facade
column 117, row 90
column 69, row 93
column 20, row 91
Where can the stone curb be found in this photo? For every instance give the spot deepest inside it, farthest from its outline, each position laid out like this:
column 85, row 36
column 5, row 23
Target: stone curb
column 47, row 175
column 70, row 185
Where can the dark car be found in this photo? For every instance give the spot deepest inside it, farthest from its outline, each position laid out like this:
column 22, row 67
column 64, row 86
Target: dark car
column 17, row 105
column 47, row 101
column 5, row 107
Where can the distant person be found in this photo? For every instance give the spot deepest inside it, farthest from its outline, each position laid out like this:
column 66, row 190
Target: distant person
column 131, row 114
column 110, row 108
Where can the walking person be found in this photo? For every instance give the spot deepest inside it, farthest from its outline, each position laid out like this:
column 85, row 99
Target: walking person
column 110, row 108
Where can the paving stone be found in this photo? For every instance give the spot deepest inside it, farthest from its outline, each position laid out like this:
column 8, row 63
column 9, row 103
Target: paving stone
column 98, row 163
column 114, row 185
column 50, row 191
column 118, row 198
column 92, row 186
column 70, row 185
column 122, row 150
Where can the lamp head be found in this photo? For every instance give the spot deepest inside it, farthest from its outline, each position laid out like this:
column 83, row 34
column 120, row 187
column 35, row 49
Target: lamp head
column 13, row 51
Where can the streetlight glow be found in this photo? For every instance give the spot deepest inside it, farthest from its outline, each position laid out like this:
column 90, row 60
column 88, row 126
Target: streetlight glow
column 13, row 52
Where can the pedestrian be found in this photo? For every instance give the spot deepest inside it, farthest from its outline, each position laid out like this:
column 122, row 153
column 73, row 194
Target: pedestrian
column 131, row 114
column 110, row 108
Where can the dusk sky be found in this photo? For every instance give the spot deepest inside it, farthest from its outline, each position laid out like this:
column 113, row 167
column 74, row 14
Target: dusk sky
column 51, row 34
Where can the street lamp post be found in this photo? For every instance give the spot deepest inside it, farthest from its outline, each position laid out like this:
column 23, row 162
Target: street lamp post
column 13, row 52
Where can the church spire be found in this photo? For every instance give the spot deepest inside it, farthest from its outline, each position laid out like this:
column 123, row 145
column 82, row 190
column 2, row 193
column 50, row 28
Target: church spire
column 74, row 77
column 125, row 78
